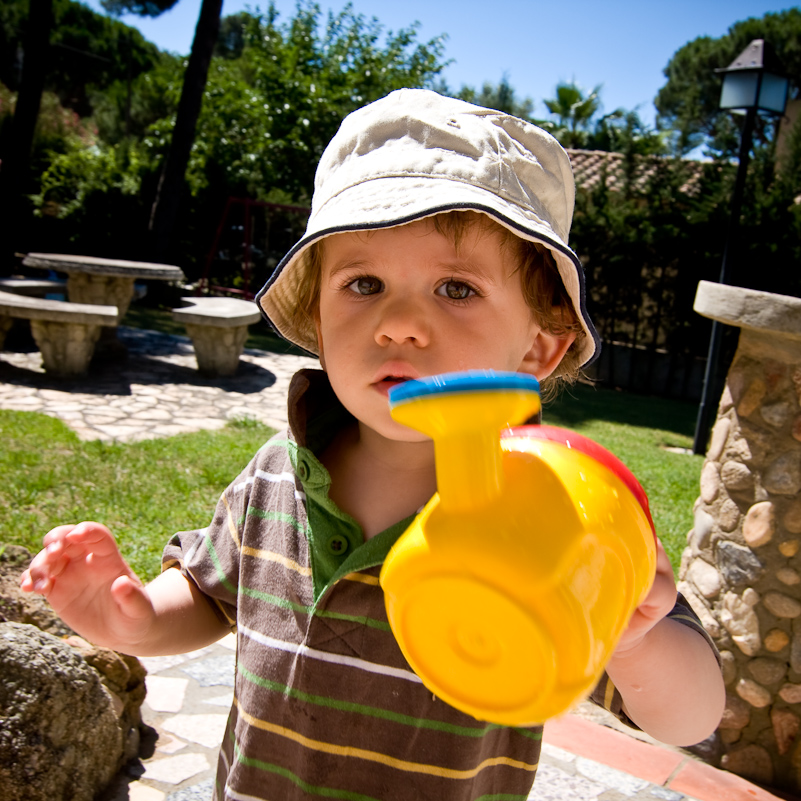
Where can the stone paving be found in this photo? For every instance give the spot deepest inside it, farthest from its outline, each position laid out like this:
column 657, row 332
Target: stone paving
column 157, row 392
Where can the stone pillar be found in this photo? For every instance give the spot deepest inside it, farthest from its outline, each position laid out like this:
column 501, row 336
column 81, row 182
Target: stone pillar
column 66, row 348
column 741, row 569
column 217, row 350
column 102, row 290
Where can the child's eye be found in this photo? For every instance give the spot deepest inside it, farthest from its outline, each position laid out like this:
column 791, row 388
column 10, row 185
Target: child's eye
column 365, row 286
column 456, row 290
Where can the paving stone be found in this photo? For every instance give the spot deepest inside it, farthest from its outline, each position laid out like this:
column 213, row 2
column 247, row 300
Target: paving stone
column 554, row 784
column 175, row 769
column 665, row 794
column 165, row 694
column 169, row 744
column 155, row 664
column 610, row 777
column 197, row 792
column 141, row 792
column 205, row 730
column 218, row 670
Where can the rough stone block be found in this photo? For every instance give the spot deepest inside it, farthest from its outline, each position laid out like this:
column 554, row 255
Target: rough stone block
column 56, row 714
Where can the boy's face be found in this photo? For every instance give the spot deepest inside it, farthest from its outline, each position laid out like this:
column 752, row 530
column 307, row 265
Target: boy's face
column 403, row 302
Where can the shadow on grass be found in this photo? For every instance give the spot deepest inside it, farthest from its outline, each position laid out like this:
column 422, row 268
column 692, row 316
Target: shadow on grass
column 583, row 402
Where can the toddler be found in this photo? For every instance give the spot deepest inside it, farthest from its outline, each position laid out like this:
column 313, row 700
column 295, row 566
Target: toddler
column 437, row 242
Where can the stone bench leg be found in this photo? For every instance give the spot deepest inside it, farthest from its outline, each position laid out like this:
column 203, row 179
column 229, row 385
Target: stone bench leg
column 5, row 327
column 66, row 348
column 217, row 349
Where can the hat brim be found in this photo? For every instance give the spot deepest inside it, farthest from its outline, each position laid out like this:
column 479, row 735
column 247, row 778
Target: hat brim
column 366, row 206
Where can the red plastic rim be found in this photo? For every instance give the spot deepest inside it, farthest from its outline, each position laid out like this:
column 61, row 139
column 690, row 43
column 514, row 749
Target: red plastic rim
column 570, row 439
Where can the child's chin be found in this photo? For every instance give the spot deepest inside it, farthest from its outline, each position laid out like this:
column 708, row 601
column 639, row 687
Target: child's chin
column 400, row 433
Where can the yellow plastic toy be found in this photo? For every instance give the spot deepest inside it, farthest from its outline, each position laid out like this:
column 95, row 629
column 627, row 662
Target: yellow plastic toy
column 511, row 588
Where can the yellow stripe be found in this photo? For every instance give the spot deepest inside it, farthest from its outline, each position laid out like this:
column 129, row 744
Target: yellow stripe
column 374, row 756
column 609, row 694
column 231, row 523
column 258, row 553
column 364, row 578
column 271, row 556
column 218, row 604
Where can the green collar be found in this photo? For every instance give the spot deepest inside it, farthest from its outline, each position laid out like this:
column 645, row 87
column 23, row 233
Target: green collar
column 336, row 540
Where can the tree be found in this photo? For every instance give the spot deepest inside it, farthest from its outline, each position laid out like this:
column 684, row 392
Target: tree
column 171, row 182
column 688, row 102
column 574, row 112
column 625, row 132
column 501, row 97
column 268, row 115
column 88, row 52
column 16, row 147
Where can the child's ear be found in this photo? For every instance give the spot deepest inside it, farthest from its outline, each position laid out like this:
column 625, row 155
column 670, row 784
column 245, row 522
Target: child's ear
column 546, row 353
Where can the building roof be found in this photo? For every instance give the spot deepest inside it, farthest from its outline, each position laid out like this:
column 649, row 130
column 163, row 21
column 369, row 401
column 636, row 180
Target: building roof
column 590, row 167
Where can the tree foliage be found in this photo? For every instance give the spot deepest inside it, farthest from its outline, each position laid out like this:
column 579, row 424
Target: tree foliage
column 88, row 52
column 501, row 96
column 688, row 102
column 268, row 115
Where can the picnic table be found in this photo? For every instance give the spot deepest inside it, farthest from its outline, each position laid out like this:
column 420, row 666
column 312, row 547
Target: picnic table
column 104, row 282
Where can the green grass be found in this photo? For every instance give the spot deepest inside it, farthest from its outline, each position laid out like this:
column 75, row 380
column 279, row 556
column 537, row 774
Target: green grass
column 148, row 490
column 144, row 492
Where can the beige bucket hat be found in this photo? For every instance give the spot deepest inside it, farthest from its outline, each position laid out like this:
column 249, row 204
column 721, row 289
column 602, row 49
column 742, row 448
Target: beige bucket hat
column 416, row 153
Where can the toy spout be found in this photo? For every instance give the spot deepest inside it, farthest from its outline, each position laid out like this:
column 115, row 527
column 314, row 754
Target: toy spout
column 469, row 469
column 464, row 413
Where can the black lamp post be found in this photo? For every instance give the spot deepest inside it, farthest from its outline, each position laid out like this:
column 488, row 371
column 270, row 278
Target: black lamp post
column 753, row 82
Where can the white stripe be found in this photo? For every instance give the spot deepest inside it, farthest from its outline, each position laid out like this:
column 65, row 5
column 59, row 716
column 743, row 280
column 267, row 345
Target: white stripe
column 323, row 656
column 273, row 478
column 235, row 796
column 201, row 535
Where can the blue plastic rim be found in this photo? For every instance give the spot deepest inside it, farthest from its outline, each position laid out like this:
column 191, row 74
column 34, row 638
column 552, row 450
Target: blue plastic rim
column 468, row 381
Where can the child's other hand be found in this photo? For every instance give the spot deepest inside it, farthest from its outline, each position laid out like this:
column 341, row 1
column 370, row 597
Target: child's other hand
column 657, row 604
column 87, row 582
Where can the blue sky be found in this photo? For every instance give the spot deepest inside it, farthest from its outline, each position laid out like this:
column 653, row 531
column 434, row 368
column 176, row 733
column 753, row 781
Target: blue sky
column 622, row 44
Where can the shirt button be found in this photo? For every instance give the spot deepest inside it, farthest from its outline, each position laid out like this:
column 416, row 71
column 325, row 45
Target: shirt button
column 337, row 545
column 303, row 471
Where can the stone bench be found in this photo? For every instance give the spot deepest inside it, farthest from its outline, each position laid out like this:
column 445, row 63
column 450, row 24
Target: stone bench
column 33, row 287
column 65, row 333
column 218, row 328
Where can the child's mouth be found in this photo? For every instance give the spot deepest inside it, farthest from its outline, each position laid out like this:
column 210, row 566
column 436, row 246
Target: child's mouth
column 392, row 380
column 386, row 383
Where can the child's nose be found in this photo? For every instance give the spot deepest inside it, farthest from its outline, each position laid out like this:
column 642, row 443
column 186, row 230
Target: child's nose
column 403, row 321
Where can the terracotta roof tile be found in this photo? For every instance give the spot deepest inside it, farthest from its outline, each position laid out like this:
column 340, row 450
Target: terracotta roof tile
column 590, row 167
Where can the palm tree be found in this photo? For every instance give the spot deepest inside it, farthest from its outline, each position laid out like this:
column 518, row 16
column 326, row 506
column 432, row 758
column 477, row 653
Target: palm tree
column 573, row 111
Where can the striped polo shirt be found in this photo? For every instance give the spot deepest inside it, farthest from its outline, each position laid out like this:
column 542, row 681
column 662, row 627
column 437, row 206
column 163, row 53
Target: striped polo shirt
column 325, row 705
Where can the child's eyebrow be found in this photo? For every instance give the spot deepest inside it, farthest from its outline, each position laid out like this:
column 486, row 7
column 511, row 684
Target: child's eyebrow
column 346, row 265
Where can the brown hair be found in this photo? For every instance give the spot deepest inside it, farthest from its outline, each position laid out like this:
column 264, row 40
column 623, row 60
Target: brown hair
column 541, row 283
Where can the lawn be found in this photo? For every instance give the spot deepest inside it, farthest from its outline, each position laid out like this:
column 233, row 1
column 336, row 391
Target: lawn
column 145, row 491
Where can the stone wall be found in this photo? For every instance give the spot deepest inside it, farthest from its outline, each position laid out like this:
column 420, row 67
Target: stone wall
column 741, row 570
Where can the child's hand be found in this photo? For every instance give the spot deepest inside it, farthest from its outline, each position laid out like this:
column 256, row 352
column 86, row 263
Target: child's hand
column 85, row 579
column 657, row 604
